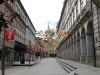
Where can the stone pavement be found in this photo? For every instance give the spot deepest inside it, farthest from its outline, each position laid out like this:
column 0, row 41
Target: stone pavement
column 82, row 69
column 47, row 66
column 14, row 70
column 17, row 63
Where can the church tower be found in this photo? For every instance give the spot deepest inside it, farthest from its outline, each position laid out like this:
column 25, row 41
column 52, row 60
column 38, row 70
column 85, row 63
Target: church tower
column 47, row 32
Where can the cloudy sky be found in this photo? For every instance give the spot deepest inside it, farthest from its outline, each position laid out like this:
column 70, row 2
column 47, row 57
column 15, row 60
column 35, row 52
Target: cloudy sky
column 42, row 12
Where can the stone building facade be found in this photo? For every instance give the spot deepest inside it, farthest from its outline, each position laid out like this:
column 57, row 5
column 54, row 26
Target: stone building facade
column 23, row 26
column 80, row 18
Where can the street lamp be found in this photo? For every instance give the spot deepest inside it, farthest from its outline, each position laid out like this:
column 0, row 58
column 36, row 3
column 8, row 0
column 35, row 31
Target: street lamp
column 29, row 53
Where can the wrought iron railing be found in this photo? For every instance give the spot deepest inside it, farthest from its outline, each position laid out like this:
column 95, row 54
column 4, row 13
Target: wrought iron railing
column 79, row 17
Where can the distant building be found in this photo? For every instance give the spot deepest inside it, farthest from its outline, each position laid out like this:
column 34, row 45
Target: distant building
column 51, row 48
column 80, row 18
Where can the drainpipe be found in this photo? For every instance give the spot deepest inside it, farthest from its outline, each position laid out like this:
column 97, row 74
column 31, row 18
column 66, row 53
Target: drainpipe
column 91, row 9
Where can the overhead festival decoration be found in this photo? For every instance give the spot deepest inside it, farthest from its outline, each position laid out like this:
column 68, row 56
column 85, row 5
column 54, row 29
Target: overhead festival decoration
column 52, row 34
column 39, row 34
column 41, row 31
column 42, row 41
column 64, row 33
column 52, row 41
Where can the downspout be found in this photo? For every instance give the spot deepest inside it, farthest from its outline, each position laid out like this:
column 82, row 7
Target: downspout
column 91, row 9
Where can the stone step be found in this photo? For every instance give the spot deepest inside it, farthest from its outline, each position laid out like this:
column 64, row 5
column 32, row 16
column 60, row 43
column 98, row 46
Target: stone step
column 68, row 68
column 64, row 67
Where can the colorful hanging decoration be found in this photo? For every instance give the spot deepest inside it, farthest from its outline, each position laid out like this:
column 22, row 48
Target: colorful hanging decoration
column 64, row 33
column 41, row 40
column 40, row 34
column 52, row 34
column 50, row 40
column 41, row 31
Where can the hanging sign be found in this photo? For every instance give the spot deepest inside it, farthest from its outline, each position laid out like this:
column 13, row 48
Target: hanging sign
column 10, row 35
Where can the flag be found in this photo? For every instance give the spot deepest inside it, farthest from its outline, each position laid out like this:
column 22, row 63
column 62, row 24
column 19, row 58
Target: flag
column 10, row 35
column 33, row 47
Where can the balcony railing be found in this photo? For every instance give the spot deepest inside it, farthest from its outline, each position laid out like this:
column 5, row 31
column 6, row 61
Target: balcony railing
column 80, row 17
column 83, row 10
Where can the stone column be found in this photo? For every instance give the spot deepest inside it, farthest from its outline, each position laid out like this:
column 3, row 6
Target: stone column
column 64, row 54
column 89, row 46
column 83, row 49
column 68, row 53
column 96, row 24
column 71, row 52
column 78, row 50
column 74, row 50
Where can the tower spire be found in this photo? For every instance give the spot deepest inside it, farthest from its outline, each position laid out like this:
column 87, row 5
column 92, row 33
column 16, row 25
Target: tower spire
column 48, row 27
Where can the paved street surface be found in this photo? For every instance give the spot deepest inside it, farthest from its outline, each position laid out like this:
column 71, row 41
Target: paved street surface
column 82, row 69
column 47, row 66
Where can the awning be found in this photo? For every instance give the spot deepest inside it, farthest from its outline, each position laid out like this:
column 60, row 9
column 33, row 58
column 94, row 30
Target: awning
column 20, row 46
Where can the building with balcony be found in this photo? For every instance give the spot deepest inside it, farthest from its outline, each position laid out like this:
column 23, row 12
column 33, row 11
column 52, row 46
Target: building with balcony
column 8, row 11
column 30, row 40
column 80, row 18
column 17, row 49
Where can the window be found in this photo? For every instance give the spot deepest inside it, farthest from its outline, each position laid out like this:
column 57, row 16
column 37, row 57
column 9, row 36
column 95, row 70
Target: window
column 15, row 21
column 16, row 8
column 73, row 16
column 67, row 8
column 18, row 11
column 70, row 22
column 76, row 10
column 81, row 4
column 69, row 3
column 66, row 27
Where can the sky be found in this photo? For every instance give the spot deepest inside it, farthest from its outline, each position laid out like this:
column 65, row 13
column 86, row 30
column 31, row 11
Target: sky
column 43, row 12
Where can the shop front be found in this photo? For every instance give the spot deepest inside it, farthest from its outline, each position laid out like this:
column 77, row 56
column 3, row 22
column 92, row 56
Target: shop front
column 19, row 55
column 9, row 54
